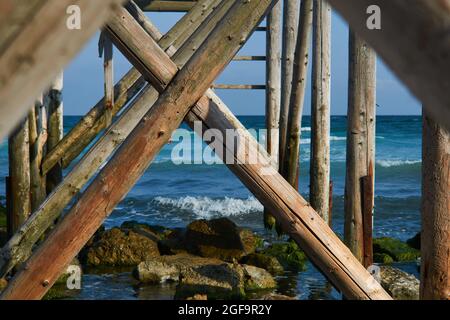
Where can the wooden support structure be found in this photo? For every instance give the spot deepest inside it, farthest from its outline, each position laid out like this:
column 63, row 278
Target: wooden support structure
column 290, row 24
column 37, row 121
column 435, row 236
column 368, row 195
column 184, row 90
column 249, row 58
column 55, row 128
column 108, row 70
column 166, row 6
column 273, row 92
column 419, row 59
column 239, row 86
column 24, row 35
column 360, row 139
column 290, row 165
column 19, row 246
column 319, row 182
column 19, row 202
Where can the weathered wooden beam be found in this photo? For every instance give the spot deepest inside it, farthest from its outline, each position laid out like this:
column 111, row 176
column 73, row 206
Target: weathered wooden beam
column 239, row 86
column 19, row 246
column 290, row 27
column 273, row 92
column 166, row 6
column 55, row 128
column 249, row 58
column 435, row 236
column 367, row 189
column 36, row 44
column 290, row 167
column 319, row 185
column 415, row 47
column 19, row 204
column 37, row 121
column 108, row 71
column 184, row 90
column 360, row 138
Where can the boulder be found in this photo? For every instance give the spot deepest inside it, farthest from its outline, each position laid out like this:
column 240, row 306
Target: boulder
column 257, row 278
column 219, row 238
column 288, row 254
column 398, row 250
column 264, row 261
column 116, row 247
column 275, row 296
column 399, row 284
column 153, row 232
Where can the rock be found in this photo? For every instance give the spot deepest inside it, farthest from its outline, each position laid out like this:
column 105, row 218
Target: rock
column 219, row 238
column 264, row 261
column 173, row 243
column 275, row 296
column 399, row 284
column 257, row 278
column 155, row 233
column 116, row 247
column 398, row 250
column 198, row 297
column 288, row 254
column 414, row 242
column 382, row 258
column 156, row 271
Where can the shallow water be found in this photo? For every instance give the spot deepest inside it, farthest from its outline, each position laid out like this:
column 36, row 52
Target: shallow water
column 174, row 195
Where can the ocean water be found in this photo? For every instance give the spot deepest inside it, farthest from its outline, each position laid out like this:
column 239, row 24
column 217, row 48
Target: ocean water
column 173, row 195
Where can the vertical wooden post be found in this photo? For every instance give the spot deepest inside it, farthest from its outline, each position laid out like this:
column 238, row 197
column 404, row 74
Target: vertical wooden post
column 319, row 189
column 37, row 121
column 273, row 91
column 19, row 205
column 55, row 128
column 435, row 237
column 367, row 191
column 330, row 204
column 108, row 67
column 290, row 26
column 360, row 139
column 301, row 60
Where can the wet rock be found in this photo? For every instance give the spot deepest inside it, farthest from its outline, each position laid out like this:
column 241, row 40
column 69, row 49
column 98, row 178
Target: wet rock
column 173, row 243
column 264, row 261
column 156, row 271
column 257, row 278
column 116, row 247
column 198, row 297
column 414, row 242
column 153, row 232
column 275, row 296
column 219, row 238
column 288, row 254
column 399, row 284
column 398, row 250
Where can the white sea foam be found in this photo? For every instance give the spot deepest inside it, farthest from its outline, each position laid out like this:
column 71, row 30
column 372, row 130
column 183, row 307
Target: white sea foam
column 306, row 129
column 335, row 138
column 396, row 163
column 205, row 207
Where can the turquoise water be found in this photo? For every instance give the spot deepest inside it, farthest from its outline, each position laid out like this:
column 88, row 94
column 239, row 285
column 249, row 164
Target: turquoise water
column 173, row 195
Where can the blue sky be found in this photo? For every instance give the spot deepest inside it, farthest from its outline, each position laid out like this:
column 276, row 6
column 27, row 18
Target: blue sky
column 83, row 85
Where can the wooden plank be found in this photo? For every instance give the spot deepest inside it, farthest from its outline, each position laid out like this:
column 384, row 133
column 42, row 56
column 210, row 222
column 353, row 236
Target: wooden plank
column 55, row 128
column 108, row 70
column 249, row 58
column 290, row 167
column 184, row 90
column 419, row 59
column 435, row 236
column 19, row 246
column 360, row 138
column 239, row 86
column 36, row 44
column 166, row 6
column 367, row 183
column 290, row 27
column 319, row 185
column 273, row 92
column 19, row 204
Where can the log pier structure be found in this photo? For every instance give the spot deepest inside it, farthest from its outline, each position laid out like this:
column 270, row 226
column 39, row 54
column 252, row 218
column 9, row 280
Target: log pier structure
column 173, row 81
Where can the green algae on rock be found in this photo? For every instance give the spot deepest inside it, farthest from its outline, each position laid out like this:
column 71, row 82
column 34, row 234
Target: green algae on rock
column 264, row 261
column 396, row 249
column 288, row 254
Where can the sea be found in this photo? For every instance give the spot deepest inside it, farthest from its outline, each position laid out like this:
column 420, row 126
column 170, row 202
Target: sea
column 173, row 195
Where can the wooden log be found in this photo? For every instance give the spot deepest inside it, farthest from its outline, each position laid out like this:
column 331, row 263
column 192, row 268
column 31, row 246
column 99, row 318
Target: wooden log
column 360, row 138
column 55, row 128
column 273, row 92
column 367, row 183
column 184, row 90
column 19, row 246
column 330, row 207
column 35, row 43
column 413, row 42
column 19, row 204
column 239, row 86
column 37, row 121
column 108, row 70
column 319, row 185
column 166, row 6
column 435, row 236
column 290, row 167
column 249, row 58
column 290, row 27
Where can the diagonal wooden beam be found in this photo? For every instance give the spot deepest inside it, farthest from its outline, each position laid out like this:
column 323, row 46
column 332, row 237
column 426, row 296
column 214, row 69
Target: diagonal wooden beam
column 34, row 53
column 134, row 156
column 416, row 47
column 19, row 247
